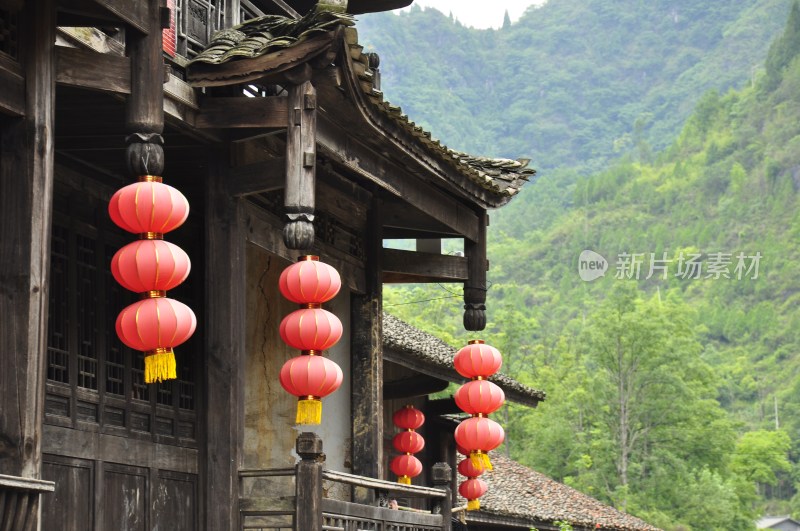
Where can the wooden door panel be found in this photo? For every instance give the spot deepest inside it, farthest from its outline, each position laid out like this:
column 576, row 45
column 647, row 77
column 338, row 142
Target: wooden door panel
column 175, row 502
column 69, row 508
column 124, row 497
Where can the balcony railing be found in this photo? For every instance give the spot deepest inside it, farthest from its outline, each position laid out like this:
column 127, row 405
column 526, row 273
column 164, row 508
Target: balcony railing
column 19, row 501
column 310, row 510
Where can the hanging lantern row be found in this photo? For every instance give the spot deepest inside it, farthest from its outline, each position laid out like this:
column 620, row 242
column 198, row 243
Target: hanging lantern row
column 310, row 376
column 407, row 442
column 151, row 266
column 477, row 435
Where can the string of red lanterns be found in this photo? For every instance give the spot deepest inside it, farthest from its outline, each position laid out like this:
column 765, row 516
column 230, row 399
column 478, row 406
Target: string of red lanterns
column 408, row 442
column 151, row 266
column 477, row 435
column 310, row 329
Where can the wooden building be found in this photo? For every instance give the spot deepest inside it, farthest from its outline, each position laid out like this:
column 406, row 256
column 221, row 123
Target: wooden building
column 278, row 134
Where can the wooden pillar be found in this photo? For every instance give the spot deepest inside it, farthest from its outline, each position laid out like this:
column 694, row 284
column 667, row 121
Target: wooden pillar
column 367, row 364
column 475, row 287
column 26, row 202
column 441, row 476
column 301, row 155
column 224, row 330
column 308, row 484
column 145, row 109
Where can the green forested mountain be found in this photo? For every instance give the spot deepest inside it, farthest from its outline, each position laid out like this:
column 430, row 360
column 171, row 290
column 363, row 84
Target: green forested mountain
column 574, row 82
column 673, row 392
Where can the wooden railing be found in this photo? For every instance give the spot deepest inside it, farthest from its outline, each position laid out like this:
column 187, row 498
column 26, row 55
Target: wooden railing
column 308, row 510
column 19, row 501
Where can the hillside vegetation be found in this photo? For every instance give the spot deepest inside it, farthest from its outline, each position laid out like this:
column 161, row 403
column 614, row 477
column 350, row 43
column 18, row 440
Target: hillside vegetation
column 672, row 393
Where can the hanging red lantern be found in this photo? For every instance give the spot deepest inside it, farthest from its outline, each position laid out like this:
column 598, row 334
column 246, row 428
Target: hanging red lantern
column 155, row 326
column 479, row 435
column 148, row 206
column 408, row 418
column 468, row 470
column 472, row 489
column 406, row 467
column 479, row 396
column 310, row 378
column 311, row 329
column 477, row 359
column 150, row 265
column 309, row 281
column 408, row 441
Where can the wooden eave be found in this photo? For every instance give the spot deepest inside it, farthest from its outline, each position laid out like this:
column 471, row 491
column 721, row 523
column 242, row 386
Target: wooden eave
column 397, row 143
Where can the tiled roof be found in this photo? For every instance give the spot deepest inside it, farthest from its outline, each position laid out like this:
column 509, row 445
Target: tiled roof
column 274, row 35
column 423, row 349
column 518, row 492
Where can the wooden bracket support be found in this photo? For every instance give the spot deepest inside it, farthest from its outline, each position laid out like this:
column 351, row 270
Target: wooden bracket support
column 475, row 286
column 301, row 154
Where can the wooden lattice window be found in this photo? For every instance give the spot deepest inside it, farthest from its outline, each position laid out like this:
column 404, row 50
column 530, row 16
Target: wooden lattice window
column 93, row 380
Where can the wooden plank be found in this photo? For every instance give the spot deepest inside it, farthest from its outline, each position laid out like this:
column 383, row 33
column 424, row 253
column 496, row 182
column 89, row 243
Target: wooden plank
column 124, row 450
column 257, row 178
column 225, row 348
column 88, row 69
column 145, row 109
column 364, row 161
column 411, row 266
column 26, row 196
column 410, row 491
column 12, row 97
column 366, row 370
column 241, row 112
column 181, row 92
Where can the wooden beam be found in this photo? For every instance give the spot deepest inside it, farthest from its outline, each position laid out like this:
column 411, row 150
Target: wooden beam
column 82, row 68
column 475, row 286
column 137, row 14
column 411, row 266
column 26, row 200
column 145, row 109
column 366, row 371
column 364, row 161
column 242, row 112
column 225, row 351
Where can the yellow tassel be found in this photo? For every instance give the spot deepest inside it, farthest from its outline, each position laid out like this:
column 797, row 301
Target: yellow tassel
column 309, row 411
column 473, row 505
column 405, row 480
column 487, row 463
column 476, row 458
column 160, row 366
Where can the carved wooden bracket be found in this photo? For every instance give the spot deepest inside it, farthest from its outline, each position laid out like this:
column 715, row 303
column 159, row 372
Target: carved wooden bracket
column 301, row 157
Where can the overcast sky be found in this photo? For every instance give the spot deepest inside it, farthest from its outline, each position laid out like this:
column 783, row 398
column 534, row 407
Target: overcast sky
column 480, row 13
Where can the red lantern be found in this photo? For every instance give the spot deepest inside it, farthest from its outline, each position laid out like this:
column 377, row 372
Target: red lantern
column 477, row 360
column 310, row 378
column 472, row 489
column 406, row 467
column 309, row 281
column 479, row 435
column 408, row 418
column 156, row 326
column 467, row 469
column 148, row 207
column 479, row 396
column 150, row 265
column 311, row 329
column 409, row 442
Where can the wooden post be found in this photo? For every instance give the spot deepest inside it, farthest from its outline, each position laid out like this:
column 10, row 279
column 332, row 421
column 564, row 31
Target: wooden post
column 441, row 476
column 475, row 287
column 367, row 364
column 145, row 109
column 308, row 483
column 225, row 333
column 26, row 202
column 301, row 155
